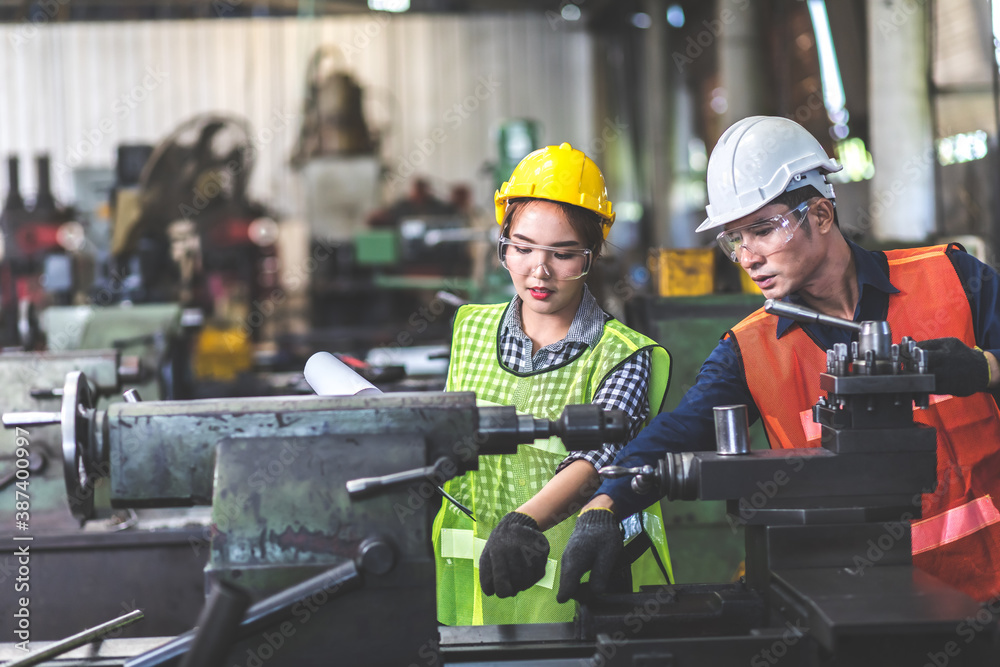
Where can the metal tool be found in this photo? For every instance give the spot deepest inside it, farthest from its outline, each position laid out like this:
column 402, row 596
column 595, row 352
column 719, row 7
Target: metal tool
column 364, row 485
column 87, row 636
column 803, row 314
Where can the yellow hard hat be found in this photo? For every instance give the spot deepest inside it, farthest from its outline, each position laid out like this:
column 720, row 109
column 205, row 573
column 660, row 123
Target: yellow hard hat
column 558, row 173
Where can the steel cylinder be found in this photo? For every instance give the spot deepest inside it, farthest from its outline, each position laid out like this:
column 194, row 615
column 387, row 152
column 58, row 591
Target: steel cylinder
column 732, row 432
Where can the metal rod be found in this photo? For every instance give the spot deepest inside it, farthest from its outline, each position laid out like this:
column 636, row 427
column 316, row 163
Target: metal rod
column 218, row 626
column 12, row 419
column 268, row 612
column 803, row 314
column 78, row 640
column 362, row 485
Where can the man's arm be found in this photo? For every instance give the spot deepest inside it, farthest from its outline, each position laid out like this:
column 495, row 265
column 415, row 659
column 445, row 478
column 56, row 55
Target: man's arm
column 690, row 427
column 595, row 543
column 982, row 287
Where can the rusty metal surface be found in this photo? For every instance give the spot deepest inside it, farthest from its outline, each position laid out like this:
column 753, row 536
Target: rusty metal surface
column 162, row 453
column 280, row 514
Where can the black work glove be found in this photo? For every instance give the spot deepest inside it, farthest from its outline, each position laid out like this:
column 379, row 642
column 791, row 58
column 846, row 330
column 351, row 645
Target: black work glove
column 958, row 369
column 514, row 557
column 595, row 545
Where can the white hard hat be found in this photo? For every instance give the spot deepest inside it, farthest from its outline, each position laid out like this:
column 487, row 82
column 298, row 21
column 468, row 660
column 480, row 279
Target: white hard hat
column 756, row 160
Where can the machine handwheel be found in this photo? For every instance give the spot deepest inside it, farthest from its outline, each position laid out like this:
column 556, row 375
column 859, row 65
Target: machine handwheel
column 77, row 423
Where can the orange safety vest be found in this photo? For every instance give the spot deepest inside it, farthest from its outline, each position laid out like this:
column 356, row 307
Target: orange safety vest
column 958, row 539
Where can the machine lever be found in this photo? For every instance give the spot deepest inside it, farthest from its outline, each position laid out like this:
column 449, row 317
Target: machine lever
column 218, row 625
column 803, row 314
column 56, row 392
column 616, row 472
column 644, row 478
column 95, row 633
column 269, row 612
column 12, row 419
column 362, row 485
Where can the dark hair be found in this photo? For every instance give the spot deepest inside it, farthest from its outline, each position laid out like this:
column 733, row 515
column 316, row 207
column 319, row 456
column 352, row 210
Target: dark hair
column 792, row 198
column 586, row 223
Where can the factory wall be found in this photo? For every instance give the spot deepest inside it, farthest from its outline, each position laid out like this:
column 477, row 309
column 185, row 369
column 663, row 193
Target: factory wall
column 435, row 87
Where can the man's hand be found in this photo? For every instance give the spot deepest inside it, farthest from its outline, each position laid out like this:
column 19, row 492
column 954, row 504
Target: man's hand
column 595, row 545
column 514, row 557
column 958, row 369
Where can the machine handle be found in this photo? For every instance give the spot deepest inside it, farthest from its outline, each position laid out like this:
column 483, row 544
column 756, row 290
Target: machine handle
column 271, row 611
column 644, row 478
column 56, row 392
column 218, row 625
column 803, row 314
column 79, row 639
column 363, row 485
column 616, row 472
column 21, row 419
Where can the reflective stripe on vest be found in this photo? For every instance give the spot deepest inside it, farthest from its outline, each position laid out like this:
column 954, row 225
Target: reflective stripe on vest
column 931, row 303
column 953, row 525
column 461, row 543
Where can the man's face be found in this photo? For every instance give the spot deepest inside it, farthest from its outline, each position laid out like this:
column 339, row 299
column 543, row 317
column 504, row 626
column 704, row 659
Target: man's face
column 788, row 269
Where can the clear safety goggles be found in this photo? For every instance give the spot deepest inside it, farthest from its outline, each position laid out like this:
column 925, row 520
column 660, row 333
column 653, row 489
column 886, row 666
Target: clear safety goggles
column 764, row 236
column 524, row 259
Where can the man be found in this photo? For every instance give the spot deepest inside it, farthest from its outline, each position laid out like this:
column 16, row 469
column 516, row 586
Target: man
column 775, row 214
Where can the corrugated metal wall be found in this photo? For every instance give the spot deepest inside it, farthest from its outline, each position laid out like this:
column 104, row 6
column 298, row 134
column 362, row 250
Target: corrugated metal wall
column 77, row 90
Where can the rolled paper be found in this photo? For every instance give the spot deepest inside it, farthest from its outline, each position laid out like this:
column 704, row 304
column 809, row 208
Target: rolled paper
column 329, row 376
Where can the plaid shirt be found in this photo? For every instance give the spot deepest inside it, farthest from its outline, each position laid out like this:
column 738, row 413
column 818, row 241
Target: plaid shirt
column 625, row 389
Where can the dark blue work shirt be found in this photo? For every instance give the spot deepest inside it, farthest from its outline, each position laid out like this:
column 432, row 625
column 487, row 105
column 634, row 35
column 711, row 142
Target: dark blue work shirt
column 721, row 381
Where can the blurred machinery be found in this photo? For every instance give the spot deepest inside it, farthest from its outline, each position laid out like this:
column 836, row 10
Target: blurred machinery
column 324, row 505
column 36, row 268
column 373, row 271
column 194, row 236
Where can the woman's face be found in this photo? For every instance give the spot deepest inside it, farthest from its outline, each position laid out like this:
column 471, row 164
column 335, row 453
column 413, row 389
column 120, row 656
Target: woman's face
column 543, row 223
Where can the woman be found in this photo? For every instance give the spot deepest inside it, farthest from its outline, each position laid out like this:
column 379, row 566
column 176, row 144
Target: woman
column 551, row 346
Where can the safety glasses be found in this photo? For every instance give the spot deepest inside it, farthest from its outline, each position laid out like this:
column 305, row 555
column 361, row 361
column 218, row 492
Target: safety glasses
column 524, row 259
column 764, row 237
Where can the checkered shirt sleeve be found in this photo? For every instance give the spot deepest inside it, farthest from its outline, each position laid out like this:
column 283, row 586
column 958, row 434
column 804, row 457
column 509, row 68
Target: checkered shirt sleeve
column 625, row 389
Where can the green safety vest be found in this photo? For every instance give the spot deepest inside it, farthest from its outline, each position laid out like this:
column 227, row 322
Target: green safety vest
column 505, row 482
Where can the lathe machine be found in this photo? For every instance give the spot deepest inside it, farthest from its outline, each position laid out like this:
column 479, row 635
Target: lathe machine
column 322, row 510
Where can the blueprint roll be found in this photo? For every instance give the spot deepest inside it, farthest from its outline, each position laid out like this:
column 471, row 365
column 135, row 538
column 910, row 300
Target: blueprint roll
column 329, row 376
